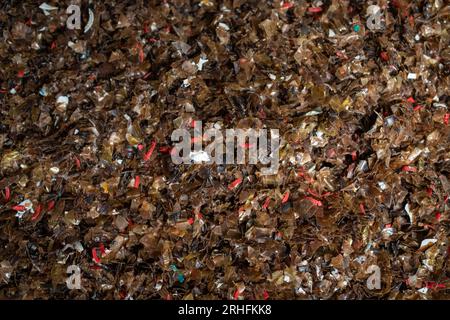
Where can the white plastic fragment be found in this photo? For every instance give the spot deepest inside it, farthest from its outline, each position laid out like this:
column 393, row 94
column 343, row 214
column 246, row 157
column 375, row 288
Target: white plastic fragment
column 200, row 63
column 78, row 246
column 362, row 166
column 412, row 76
column 43, row 92
column 54, row 170
column 46, row 8
column 224, row 26
column 410, row 214
column 388, row 231
column 414, row 154
column 390, row 121
column 314, row 112
column 425, row 243
column 28, row 206
column 35, row 46
column 382, row 185
column 423, row 290
column 62, row 101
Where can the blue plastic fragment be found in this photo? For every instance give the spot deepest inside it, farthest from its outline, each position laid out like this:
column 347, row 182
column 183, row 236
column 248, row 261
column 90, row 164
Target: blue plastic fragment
column 173, row 267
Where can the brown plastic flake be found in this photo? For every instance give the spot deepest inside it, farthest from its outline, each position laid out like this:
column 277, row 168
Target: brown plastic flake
column 86, row 176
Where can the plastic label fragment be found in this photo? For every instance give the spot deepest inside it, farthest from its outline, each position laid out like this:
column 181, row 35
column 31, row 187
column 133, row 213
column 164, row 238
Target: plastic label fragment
column 234, row 184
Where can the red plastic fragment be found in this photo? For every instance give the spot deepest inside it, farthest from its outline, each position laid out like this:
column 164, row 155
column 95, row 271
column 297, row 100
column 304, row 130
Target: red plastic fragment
column 287, row 5
column 409, row 169
column 37, row 212
column 165, row 149
column 7, row 193
column 410, row 100
column 315, row 9
column 77, row 162
column 141, row 52
column 137, row 179
column 21, row 73
column 313, row 193
column 362, row 209
column 94, row 255
column 51, row 205
column 315, row 202
column 266, row 203
column 446, row 118
column 234, row 184
column 434, row 285
column 285, row 197
column 102, row 248
column 265, row 295
column 190, row 220
column 384, row 55
column 236, row 294
column 150, row 151
column 342, row 55
column 19, row 208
